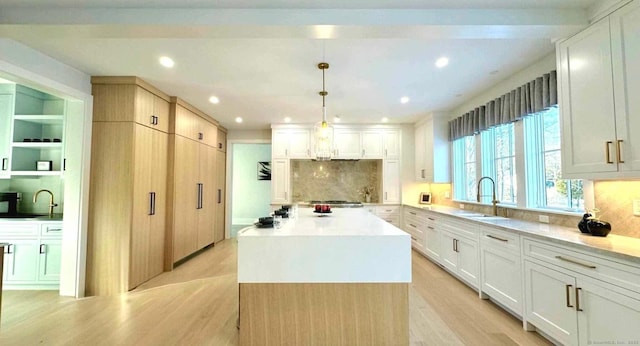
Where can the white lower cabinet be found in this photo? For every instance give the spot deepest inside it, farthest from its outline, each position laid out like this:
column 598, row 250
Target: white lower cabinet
column 391, row 214
column 460, row 256
column 280, row 181
column 32, row 258
column 574, row 302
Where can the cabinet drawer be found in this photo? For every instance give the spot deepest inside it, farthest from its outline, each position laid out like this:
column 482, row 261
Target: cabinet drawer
column 19, row 229
column 501, row 240
column 394, row 209
column 414, row 228
column 461, row 228
column 53, row 229
column 414, row 213
column 615, row 273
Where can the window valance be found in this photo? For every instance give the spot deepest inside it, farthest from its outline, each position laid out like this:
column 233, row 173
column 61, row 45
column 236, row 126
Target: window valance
column 535, row 96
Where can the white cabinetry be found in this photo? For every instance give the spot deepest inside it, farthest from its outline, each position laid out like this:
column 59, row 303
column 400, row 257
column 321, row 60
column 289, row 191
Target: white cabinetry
column 280, row 181
column 391, row 143
column 459, row 249
column 500, row 267
column 291, row 143
column 32, row 258
column 6, row 113
column 577, row 298
column 347, row 143
column 390, row 213
column 391, row 182
column 372, row 144
column 599, row 81
column 432, row 150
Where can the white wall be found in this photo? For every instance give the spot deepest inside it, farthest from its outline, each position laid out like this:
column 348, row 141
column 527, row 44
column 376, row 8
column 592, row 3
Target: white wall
column 251, row 197
column 537, row 69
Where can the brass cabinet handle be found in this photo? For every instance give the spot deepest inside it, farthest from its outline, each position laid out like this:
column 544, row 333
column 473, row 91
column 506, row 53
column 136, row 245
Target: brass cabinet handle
column 497, row 238
column 568, row 290
column 414, row 238
column 578, row 308
column 606, row 151
column 590, row 266
column 618, row 151
column 429, row 227
column 412, row 225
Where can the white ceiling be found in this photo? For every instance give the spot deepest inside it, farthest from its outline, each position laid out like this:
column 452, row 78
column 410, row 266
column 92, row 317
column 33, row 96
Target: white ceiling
column 260, row 57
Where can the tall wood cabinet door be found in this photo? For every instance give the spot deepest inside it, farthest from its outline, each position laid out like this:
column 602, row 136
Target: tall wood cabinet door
column 144, row 107
column 185, row 201
column 221, row 161
column 207, row 179
column 142, row 200
column 586, row 90
column 550, row 302
column 222, row 140
column 625, row 44
column 157, row 225
column 186, row 123
column 113, row 102
column 608, row 313
column 208, row 133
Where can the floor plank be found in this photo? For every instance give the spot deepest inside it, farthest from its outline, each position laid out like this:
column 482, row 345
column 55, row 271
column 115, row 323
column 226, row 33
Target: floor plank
column 197, row 304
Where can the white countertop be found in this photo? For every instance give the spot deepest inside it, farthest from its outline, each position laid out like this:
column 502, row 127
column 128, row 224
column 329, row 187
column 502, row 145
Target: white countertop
column 350, row 245
column 625, row 248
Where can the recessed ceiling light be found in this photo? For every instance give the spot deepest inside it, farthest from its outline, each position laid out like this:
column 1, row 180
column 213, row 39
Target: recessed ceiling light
column 404, row 99
column 336, row 119
column 238, row 120
column 166, row 61
column 442, row 62
column 214, row 100
column 287, row 120
column 385, row 119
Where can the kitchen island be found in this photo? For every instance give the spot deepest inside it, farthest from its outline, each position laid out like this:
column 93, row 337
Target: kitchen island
column 327, row 279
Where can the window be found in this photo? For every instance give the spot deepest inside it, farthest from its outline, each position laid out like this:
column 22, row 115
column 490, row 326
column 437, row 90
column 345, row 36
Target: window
column 545, row 186
column 499, row 163
column 464, row 168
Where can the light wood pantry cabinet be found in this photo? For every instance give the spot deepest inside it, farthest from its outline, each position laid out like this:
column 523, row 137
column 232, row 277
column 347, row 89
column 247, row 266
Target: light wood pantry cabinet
column 578, row 298
column 432, row 150
column 599, row 81
column 192, row 183
column 127, row 197
column 222, row 139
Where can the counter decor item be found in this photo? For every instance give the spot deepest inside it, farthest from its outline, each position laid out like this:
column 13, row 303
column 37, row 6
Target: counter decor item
column 322, row 209
column 594, row 225
column 44, row 165
column 582, row 225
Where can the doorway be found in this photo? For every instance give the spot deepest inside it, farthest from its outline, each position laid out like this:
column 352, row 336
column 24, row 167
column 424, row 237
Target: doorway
column 250, row 184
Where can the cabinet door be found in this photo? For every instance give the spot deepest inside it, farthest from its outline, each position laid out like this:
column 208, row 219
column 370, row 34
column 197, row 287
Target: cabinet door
column 186, row 123
column 222, row 141
column 280, row 143
column 6, row 112
column 391, row 140
column 391, row 181
column 219, row 231
column 185, row 201
column 300, row 144
column 607, row 316
column 625, row 44
column 280, row 181
column 142, row 205
column 207, row 179
column 550, row 302
column 144, row 103
column 50, row 257
column 421, row 174
column 432, row 243
column 22, row 260
column 372, row 144
column 448, row 254
column 468, row 260
column 208, row 133
column 502, row 276
column 161, row 111
column 587, row 114
column 157, row 221
column 347, row 144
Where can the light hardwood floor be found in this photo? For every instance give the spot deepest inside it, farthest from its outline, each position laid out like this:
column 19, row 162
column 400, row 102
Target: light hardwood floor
column 197, row 304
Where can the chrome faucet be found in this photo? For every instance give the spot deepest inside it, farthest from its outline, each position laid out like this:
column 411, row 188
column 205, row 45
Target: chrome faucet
column 51, row 204
column 494, row 201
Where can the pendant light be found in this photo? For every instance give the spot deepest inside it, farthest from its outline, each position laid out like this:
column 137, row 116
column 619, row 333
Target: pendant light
column 323, row 131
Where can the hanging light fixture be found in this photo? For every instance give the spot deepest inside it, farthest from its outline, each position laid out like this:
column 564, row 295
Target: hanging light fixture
column 323, row 131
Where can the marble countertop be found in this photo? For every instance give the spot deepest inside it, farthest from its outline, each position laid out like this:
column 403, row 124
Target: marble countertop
column 625, row 248
column 350, row 245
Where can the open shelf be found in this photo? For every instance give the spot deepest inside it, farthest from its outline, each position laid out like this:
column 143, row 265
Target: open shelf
column 36, row 173
column 37, row 145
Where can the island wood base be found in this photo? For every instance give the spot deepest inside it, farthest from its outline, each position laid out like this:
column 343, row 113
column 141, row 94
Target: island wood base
column 324, row 314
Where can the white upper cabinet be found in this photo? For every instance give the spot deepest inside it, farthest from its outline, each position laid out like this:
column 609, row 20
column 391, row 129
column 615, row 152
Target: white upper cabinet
column 6, row 112
column 599, row 82
column 291, row 143
column 391, row 143
column 347, row 144
column 372, row 144
column 432, row 151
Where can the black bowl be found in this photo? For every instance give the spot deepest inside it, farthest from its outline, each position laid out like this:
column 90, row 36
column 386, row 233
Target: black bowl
column 266, row 220
column 599, row 228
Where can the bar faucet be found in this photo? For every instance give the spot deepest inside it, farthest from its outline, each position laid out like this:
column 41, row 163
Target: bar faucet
column 494, row 201
column 51, row 204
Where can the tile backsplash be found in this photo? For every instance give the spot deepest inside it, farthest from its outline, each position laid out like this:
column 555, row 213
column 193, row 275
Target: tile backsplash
column 335, row 180
column 615, row 201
